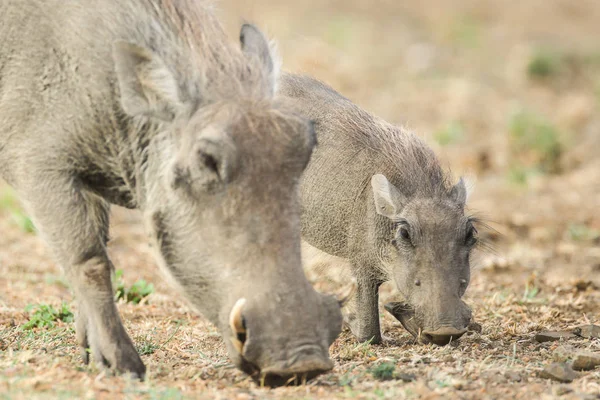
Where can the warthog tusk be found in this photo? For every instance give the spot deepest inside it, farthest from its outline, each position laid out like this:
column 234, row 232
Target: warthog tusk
column 237, row 325
column 346, row 293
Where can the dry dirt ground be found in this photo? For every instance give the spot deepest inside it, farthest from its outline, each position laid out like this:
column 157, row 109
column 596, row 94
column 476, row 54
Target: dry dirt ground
column 507, row 92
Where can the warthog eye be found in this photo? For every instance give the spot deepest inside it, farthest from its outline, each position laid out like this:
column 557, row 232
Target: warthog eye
column 471, row 238
column 404, row 233
column 210, row 162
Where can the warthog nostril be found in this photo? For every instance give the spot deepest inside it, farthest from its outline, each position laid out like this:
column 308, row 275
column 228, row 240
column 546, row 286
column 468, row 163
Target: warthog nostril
column 442, row 336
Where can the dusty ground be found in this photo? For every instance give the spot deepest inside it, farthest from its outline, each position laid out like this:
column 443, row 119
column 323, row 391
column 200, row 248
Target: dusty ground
column 507, row 92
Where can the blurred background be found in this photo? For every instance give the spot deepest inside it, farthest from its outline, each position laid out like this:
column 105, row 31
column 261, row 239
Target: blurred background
column 506, row 92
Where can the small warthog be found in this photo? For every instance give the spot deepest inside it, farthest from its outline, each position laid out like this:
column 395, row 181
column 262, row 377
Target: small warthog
column 375, row 195
column 145, row 104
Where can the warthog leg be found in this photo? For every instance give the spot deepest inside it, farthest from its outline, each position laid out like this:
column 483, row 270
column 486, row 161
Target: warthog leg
column 75, row 224
column 363, row 311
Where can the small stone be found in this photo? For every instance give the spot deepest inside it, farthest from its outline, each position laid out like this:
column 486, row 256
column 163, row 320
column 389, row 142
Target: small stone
column 475, row 327
column 550, row 336
column 563, row 353
column 585, row 361
column 407, row 377
column 560, row 372
column 588, row 331
column 513, row 376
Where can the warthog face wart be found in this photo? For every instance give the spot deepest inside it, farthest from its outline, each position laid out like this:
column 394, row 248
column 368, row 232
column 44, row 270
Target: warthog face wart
column 430, row 241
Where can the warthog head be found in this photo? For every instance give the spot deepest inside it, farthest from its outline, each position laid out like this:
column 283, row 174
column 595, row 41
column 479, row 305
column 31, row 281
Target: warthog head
column 224, row 210
column 426, row 247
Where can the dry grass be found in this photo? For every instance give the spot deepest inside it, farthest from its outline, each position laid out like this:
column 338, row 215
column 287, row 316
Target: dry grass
column 458, row 72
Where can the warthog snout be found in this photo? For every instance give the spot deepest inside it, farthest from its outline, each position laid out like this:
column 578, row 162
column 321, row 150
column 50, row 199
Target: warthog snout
column 307, row 363
column 436, row 332
column 276, row 350
column 442, row 336
column 302, row 363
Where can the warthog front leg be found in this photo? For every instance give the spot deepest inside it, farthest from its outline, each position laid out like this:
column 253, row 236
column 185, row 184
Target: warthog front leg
column 75, row 224
column 363, row 310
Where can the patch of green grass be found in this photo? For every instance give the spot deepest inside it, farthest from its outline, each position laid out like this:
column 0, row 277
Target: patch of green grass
column 57, row 280
column 536, row 146
column 145, row 345
column 544, row 64
column 383, row 371
column 8, row 201
column 442, row 383
column 531, row 294
column 45, row 315
column 521, row 175
column 449, row 134
column 134, row 294
column 22, row 221
column 581, row 232
column 361, row 350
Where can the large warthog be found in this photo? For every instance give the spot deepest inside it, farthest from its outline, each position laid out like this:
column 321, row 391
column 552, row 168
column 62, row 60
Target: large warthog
column 145, row 104
column 375, row 196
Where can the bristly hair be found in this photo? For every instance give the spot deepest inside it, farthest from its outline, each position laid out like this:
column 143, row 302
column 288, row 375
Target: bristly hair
column 483, row 226
column 413, row 165
column 200, row 51
column 409, row 162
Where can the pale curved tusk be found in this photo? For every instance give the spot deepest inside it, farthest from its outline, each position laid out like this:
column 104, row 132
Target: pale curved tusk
column 346, row 293
column 236, row 323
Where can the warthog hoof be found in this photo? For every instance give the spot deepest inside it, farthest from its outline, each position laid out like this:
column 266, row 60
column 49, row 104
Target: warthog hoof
column 110, row 346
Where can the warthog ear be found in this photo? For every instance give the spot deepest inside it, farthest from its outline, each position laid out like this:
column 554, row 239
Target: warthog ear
column 388, row 199
column 459, row 193
column 255, row 44
column 147, row 85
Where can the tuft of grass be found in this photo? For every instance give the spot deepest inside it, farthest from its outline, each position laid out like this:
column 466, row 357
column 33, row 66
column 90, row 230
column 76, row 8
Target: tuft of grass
column 45, row 315
column 450, row 134
column 23, row 221
column 530, row 292
column 581, row 232
column 361, row 350
column 147, row 347
column 348, row 378
column 442, row 383
column 531, row 295
column 544, row 64
column 8, row 201
column 535, row 145
column 134, row 294
column 383, row 371
column 520, row 175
